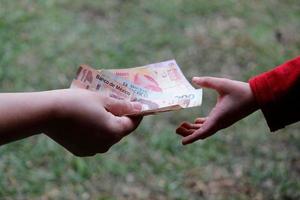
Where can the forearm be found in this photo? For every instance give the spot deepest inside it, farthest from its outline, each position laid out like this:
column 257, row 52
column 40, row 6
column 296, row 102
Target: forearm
column 24, row 114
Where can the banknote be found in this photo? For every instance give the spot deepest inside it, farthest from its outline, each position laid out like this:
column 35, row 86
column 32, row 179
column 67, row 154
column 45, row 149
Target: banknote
column 104, row 82
column 159, row 87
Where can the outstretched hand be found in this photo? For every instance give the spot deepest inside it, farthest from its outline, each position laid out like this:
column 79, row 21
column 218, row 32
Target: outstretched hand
column 235, row 102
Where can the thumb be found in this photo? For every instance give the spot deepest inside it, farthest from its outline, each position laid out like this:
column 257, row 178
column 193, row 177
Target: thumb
column 122, row 107
column 209, row 82
column 127, row 124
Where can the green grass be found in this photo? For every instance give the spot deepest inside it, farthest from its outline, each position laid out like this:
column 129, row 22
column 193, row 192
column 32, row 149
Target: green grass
column 43, row 42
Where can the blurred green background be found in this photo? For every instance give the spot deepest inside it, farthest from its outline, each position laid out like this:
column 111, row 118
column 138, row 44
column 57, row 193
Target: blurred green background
column 43, row 43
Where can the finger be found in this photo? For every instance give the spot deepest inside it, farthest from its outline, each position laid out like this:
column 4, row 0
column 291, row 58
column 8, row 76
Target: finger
column 205, row 131
column 200, row 120
column 188, row 125
column 121, row 107
column 209, row 82
column 187, row 128
column 125, row 125
column 184, row 132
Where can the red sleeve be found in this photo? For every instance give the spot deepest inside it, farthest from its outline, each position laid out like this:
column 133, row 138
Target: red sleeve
column 278, row 94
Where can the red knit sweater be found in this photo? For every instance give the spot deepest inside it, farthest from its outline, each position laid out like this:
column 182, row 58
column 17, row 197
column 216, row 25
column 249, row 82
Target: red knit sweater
column 278, row 94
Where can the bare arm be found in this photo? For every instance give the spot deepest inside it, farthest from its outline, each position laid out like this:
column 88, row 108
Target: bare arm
column 24, row 114
column 83, row 122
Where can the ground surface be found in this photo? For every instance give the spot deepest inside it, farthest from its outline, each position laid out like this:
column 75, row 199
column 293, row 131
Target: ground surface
column 43, row 42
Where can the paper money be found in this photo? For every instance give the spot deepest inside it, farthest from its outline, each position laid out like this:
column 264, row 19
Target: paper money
column 159, row 87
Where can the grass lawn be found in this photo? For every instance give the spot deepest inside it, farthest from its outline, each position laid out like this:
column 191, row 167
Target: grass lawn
column 43, row 43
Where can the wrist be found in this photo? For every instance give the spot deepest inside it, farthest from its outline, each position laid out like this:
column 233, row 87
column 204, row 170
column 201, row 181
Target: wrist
column 45, row 107
column 25, row 114
column 253, row 105
column 55, row 104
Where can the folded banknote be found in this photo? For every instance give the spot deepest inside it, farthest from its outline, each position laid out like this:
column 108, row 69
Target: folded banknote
column 159, row 87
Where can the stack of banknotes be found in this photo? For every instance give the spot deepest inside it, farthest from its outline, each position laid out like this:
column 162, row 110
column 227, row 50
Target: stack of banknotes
column 159, row 87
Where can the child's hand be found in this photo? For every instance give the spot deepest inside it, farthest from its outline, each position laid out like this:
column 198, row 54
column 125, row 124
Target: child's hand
column 87, row 123
column 235, row 102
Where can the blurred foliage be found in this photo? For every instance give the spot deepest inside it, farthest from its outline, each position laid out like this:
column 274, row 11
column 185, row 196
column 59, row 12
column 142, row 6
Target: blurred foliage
column 43, row 42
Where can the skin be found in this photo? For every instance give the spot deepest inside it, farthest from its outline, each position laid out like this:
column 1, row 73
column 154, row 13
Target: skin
column 83, row 122
column 235, row 101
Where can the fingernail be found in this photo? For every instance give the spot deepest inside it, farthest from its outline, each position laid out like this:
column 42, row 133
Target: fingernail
column 136, row 106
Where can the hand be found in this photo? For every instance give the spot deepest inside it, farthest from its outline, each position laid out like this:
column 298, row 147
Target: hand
column 235, row 102
column 87, row 123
